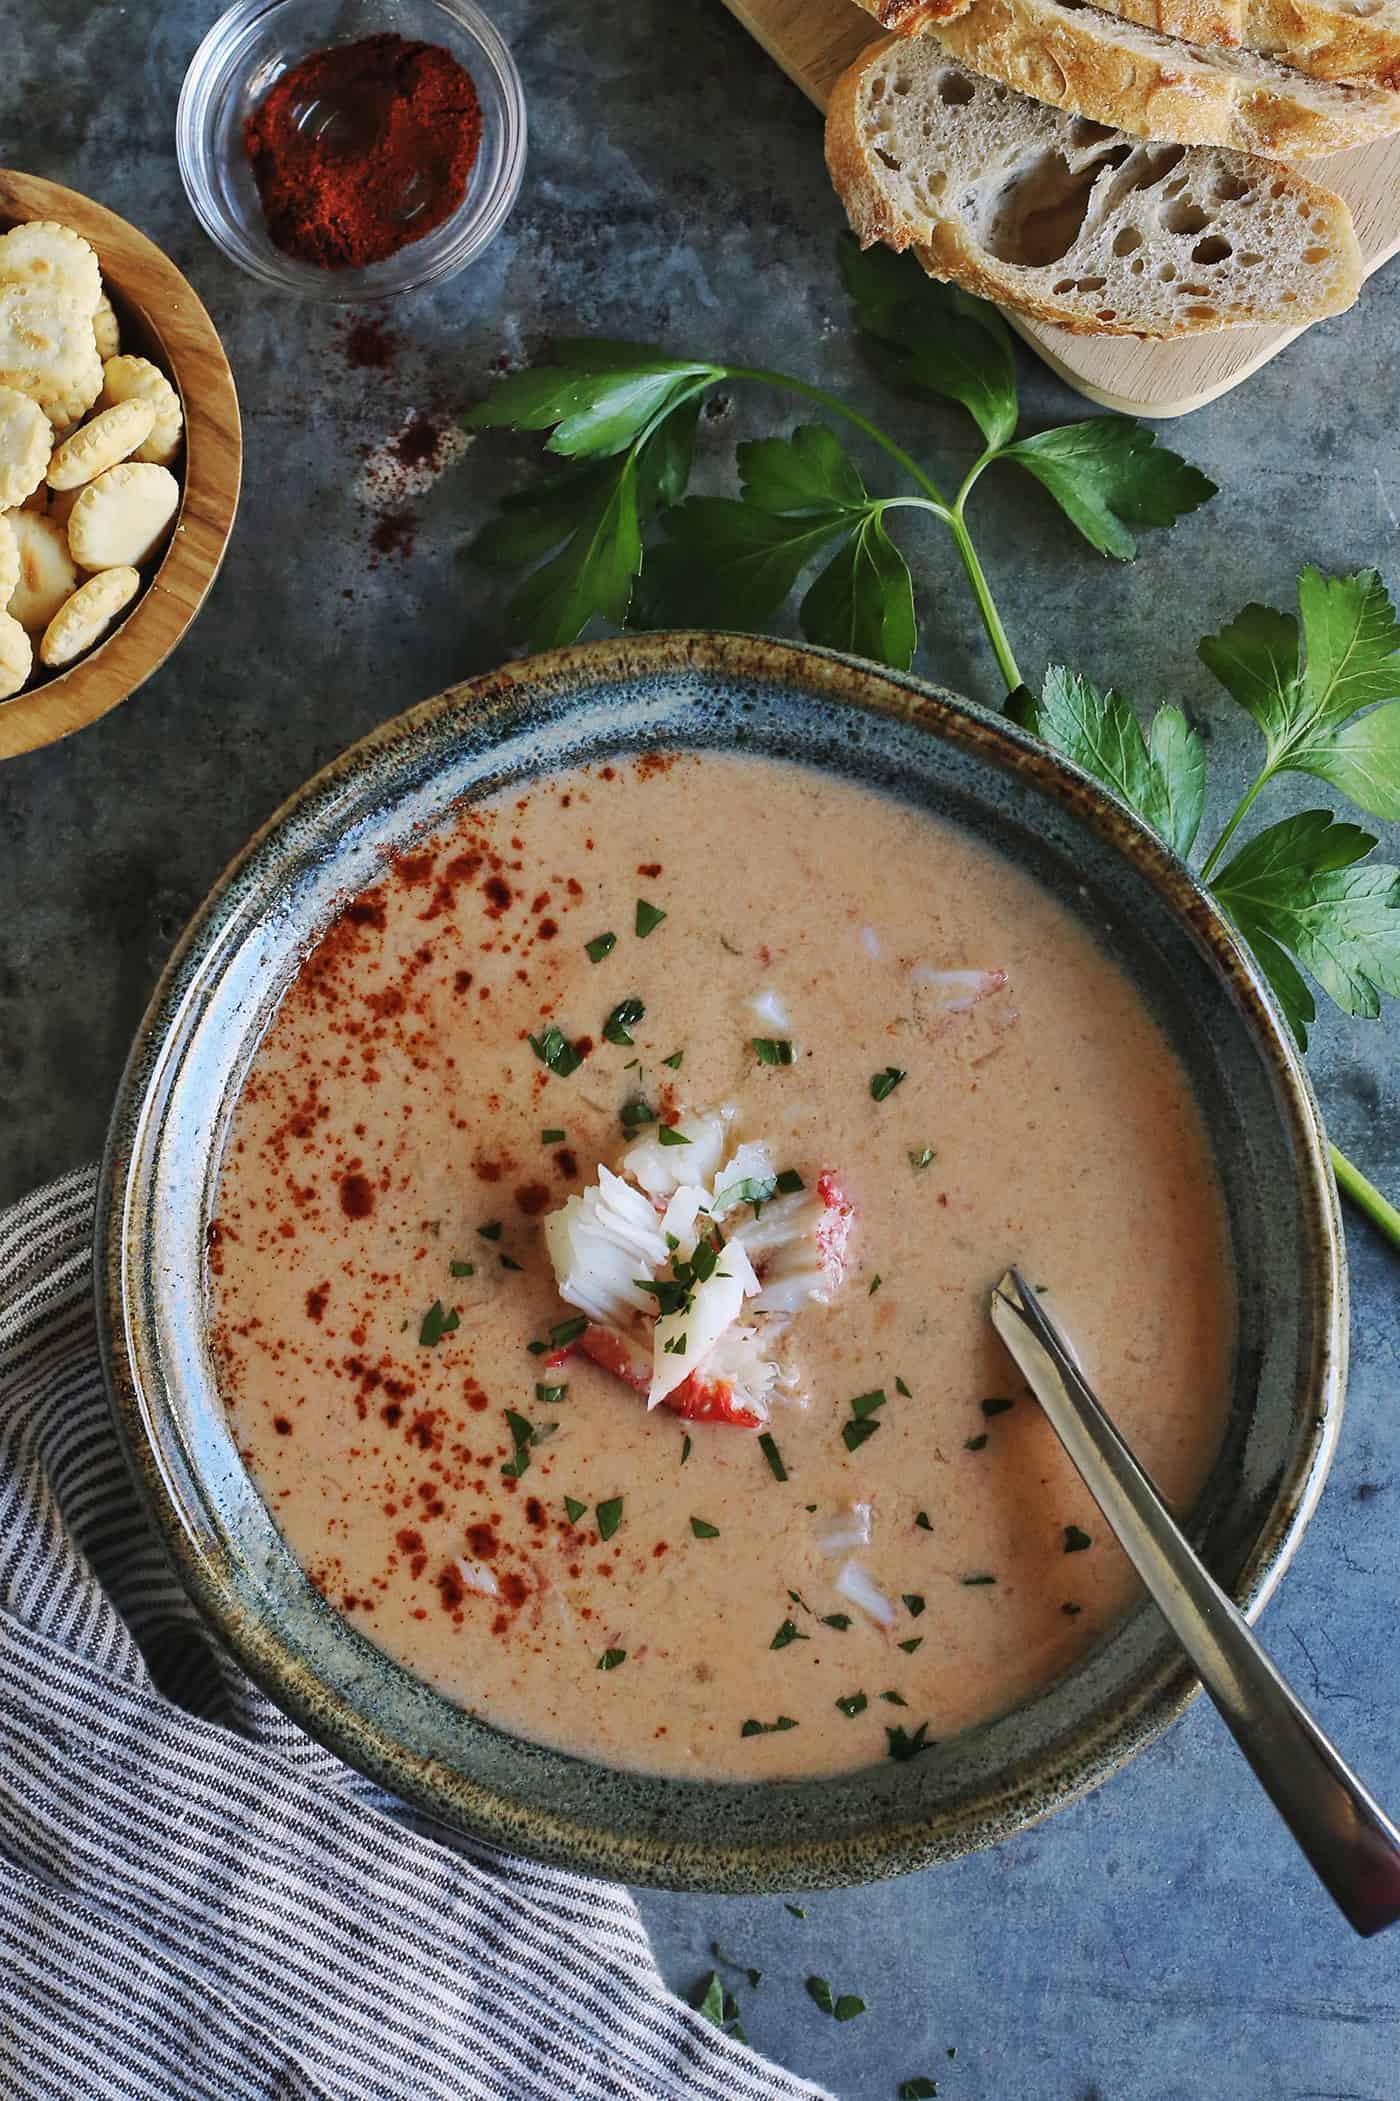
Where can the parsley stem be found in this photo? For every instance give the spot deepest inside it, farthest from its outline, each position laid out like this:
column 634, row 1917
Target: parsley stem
column 1366, row 1197
column 986, row 604
column 788, row 384
column 1212, row 860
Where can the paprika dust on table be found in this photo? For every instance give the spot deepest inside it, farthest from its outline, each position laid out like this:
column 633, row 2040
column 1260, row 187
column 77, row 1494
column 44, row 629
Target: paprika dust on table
column 362, row 148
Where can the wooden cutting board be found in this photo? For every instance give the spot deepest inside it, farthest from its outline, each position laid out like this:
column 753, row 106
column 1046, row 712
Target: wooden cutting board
column 815, row 40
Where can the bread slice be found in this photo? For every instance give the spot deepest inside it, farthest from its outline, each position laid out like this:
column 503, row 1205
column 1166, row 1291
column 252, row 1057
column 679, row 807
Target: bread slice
column 1330, row 39
column 1079, row 58
column 1068, row 221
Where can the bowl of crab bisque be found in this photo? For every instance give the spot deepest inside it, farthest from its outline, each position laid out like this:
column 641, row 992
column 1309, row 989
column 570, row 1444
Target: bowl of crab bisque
column 120, row 459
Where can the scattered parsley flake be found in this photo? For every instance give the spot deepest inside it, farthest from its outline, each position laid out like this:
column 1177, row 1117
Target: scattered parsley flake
column 674, row 1061
column 553, row 1137
column 634, row 1114
column 923, row 1158
column 839, row 1620
column 649, row 918
column 462, row 1269
column 918, row 2090
column 609, row 1516
column 913, row 1603
column 875, row 1282
column 574, row 1509
column 884, row 1083
column 903, row 1745
column 820, row 1990
column 565, row 1332
column 611, row 1658
column 788, row 1632
column 752, row 1728
column 996, row 1406
column 915, row 1642
column 855, row 1433
column 866, row 1403
column 924, row 1521
column 796, row 1910
column 711, row 2002
column 895, row 1699
column 437, row 1322
column 1071, row 1612
column 977, row 1443
column 848, row 2006
column 1075, row 1540
column 601, row 945
column 772, row 1050
column 685, row 1449
column 854, row 1703
column 789, row 1182
column 509, row 1262
column 491, row 1230
column 549, row 1396
column 900, row 1387
column 627, row 1011
column 669, row 1135
column 977, row 1582
column 555, row 1052
column 702, row 1530
column 773, row 1456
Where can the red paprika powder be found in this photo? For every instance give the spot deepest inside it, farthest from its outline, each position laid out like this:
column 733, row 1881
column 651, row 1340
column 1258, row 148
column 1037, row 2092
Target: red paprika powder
column 362, row 148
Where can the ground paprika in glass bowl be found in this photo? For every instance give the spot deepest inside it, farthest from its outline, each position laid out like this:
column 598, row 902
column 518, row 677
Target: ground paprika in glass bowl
column 335, row 150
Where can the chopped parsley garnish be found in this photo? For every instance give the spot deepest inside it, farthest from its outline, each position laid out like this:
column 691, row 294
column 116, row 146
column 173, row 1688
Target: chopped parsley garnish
column 674, row 1061
column 672, row 1294
column 462, row 1269
column 772, row 1050
column 848, row 2006
column 797, row 1598
column 685, row 1449
column 905, row 1745
column 839, row 1620
column 560, row 1337
column 875, row 1282
column 611, row 1658
column 549, row 1396
column 711, row 2004
column 491, row 1230
column 675, row 1347
column 854, row 1703
column 796, row 1910
column 773, row 1456
column 914, row 1604
column 977, row 1582
column 753, row 1189
column 862, row 1424
column 702, row 1530
column 574, row 1509
column 1071, row 1612
column 553, row 1137
column 884, row 1083
column 855, row 1434
column 924, row 1521
column 789, row 1182
column 866, row 1403
column 509, row 1262
column 523, row 1435
column 786, row 1633
column 1075, row 1540
column 843, row 2009
column 554, row 1050
column 915, row 1642
column 649, row 918
column 895, row 1699
column 996, row 1406
column 918, row 2090
column 924, row 1157
column 977, row 1443
column 635, row 1113
column 755, row 1977
column 669, row 1135
column 623, row 1015
column 601, row 945
column 609, row 1516
column 751, row 1728
column 820, row 1990
column 437, row 1322
column 900, row 1387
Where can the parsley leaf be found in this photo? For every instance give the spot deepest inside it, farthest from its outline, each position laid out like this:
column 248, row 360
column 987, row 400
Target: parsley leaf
column 918, row 2090
column 623, row 1015
column 1165, row 782
column 863, row 601
column 598, row 397
column 773, row 1456
column 667, row 1134
column 752, row 1728
column 609, row 1516
column 788, row 1632
column 649, row 918
column 574, row 1509
column 711, row 2002
column 702, row 1530
column 1076, row 1541
column 554, row 1050
column 1310, row 705
column 611, row 1658
column 437, row 1323
column 854, row 1703
column 1108, row 475
column 883, row 1084
column 904, row 1744
column 771, row 1050
column 1294, row 891
column 932, row 338
column 807, row 474
column 727, row 563
column 593, row 571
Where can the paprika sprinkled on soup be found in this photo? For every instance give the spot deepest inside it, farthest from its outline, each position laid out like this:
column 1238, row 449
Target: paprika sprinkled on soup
column 601, row 1258
column 362, row 148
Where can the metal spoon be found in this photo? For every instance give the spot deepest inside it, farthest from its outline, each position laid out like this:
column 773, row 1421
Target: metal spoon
column 1350, row 1841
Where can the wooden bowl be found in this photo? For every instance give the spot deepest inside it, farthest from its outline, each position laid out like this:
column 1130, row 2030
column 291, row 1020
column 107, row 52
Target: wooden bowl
column 161, row 318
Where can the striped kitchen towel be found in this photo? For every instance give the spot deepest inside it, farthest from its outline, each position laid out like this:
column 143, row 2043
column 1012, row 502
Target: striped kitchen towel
column 198, row 1901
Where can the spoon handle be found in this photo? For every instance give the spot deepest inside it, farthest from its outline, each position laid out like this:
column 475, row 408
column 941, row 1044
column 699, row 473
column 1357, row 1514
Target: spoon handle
column 1349, row 1840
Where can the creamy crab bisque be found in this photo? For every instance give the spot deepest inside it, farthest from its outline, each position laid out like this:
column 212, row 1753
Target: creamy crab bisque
column 714, row 1083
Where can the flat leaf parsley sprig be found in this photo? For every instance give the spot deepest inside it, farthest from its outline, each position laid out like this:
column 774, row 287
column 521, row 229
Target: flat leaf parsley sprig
column 613, row 534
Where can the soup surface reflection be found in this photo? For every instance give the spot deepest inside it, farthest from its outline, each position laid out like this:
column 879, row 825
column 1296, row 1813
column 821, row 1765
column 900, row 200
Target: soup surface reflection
column 515, row 1526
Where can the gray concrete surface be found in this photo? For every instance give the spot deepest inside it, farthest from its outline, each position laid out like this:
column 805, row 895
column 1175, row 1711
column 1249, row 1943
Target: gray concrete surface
column 1160, row 1942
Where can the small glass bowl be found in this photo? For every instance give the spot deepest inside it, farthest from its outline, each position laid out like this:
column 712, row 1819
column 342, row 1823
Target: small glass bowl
column 247, row 51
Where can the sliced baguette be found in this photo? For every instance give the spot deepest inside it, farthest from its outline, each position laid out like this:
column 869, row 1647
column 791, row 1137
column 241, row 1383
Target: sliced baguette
column 1330, row 39
column 1073, row 224
column 1157, row 87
